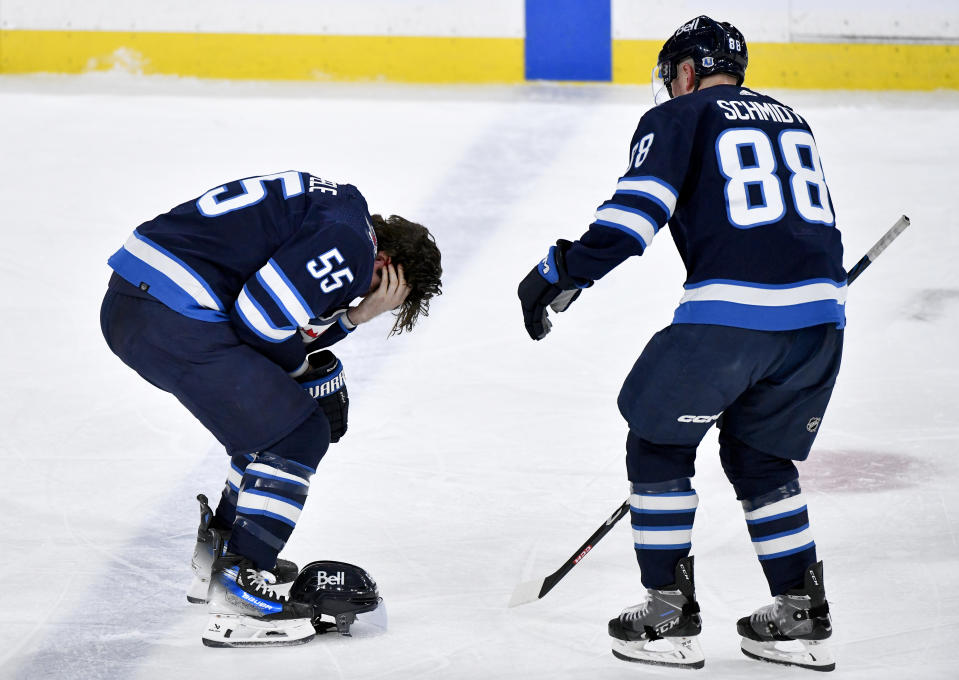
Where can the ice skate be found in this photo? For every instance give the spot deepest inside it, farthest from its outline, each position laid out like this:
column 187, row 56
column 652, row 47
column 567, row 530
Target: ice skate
column 247, row 610
column 210, row 544
column 662, row 630
column 793, row 629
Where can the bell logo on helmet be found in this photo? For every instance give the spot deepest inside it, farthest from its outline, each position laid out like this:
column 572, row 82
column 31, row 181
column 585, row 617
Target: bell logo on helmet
column 685, row 28
column 324, row 579
column 713, row 46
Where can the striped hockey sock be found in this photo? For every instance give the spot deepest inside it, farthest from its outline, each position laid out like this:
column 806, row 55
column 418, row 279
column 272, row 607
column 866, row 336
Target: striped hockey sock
column 662, row 517
column 271, row 494
column 779, row 527
column 226, row 510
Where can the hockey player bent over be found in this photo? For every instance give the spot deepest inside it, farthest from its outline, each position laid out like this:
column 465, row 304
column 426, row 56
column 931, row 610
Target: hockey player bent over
column 227, row 302
column 754, row 345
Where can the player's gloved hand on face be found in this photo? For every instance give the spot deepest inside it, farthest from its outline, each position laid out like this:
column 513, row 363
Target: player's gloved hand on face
column 548, row 286
column 326, row 382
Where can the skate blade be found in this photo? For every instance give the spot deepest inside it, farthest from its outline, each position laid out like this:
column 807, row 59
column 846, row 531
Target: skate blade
column 226, row 630
column 676, row 652
column 813, row 655
column 199, row 591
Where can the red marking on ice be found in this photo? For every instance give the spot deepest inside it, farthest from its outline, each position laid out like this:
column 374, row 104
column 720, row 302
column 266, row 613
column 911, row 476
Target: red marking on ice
column 862, row 471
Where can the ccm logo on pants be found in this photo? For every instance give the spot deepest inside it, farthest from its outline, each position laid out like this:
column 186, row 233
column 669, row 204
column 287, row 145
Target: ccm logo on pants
column 698, row 419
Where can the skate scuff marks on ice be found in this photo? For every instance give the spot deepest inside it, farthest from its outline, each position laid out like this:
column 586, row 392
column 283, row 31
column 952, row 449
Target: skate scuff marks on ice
column 931, row 303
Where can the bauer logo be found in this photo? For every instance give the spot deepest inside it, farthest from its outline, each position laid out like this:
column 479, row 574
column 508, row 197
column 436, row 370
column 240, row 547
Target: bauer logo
column 260, row 604
column 324, row 579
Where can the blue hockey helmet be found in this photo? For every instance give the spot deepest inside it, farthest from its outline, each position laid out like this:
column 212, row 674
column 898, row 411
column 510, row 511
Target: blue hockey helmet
column 714, row 47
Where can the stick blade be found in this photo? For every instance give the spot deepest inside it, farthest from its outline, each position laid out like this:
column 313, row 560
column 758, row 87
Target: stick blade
column 526, row 592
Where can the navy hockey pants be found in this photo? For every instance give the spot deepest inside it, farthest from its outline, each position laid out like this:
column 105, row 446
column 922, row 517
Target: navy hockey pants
column 767, row 391
column 246, row 401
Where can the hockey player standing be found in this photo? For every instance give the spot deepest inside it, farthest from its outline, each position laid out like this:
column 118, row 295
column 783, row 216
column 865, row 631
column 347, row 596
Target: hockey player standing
column 227, row 302
column 754, row 346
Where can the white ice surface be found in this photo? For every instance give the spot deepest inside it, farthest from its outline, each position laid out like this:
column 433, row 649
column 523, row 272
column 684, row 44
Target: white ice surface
column 476, row 458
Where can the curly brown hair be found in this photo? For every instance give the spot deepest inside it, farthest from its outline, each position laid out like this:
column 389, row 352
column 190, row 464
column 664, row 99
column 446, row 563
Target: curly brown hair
column 413, row 246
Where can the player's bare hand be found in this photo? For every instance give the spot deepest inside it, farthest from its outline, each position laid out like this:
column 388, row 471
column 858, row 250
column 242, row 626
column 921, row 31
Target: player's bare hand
column 390, row 294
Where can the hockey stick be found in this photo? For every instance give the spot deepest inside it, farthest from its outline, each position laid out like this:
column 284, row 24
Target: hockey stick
column 881, row 244
column 530, row 591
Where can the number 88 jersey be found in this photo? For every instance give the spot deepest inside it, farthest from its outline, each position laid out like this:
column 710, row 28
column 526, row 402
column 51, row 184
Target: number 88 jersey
column 738, row 178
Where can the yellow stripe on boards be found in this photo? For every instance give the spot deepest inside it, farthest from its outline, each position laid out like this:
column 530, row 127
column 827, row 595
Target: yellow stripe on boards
column 852, row 66
column 266, row 57
column 817, row 66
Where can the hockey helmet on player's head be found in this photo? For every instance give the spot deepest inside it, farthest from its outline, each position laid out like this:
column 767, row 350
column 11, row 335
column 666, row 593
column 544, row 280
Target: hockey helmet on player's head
column 714, row 47
column 335, row 589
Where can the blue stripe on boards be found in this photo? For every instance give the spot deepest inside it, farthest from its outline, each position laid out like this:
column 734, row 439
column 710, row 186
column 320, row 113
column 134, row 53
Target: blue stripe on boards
column 569, row 40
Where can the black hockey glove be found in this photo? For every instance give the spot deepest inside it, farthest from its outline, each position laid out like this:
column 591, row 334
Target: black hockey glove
column 548, row 285
column 326, row 382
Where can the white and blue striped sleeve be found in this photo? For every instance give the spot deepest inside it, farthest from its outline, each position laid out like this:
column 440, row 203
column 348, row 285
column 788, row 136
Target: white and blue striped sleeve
column 268, row 313
column 645, row 197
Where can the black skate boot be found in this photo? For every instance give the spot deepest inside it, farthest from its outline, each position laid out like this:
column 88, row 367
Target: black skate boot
column 248, row 610
column 793, row 629
column 210, row 544
column 663, row 629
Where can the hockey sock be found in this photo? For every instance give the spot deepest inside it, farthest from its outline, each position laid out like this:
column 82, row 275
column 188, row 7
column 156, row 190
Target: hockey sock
column 269, row 502
column 226, row 510
column 779, row 527
column 273, row 489
column 662, row 517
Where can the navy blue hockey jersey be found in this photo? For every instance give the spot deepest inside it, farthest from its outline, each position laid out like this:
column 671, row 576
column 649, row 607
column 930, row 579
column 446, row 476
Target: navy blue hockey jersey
column 737, row 176
column 275, row 255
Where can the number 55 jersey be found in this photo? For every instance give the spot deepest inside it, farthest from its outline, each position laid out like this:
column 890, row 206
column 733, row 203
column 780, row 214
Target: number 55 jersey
column 268, row 254
column 737, row 177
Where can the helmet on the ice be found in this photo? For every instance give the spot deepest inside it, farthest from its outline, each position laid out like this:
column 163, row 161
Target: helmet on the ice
column 335, row 589
column 714, row 47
